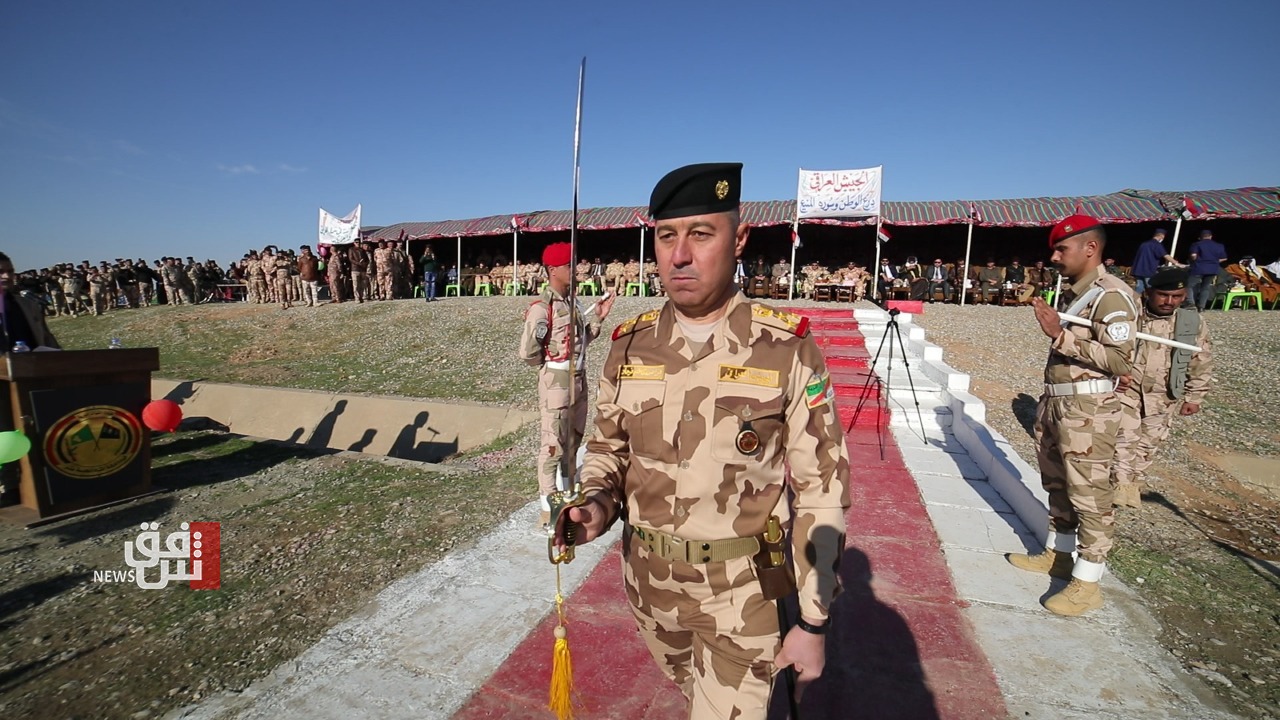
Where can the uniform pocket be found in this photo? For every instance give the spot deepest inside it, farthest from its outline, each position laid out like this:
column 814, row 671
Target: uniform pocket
column 748, row 423
column 641, row 403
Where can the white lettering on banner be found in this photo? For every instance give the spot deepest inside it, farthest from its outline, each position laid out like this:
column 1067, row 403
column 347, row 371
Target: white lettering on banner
column 144, row 553
column 339, row 230
column 839, row 193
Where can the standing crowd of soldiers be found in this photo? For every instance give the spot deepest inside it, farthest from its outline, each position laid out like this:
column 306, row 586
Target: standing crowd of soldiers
column 83, row 289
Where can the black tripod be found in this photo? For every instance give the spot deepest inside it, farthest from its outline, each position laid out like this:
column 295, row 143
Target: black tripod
column 882, row 386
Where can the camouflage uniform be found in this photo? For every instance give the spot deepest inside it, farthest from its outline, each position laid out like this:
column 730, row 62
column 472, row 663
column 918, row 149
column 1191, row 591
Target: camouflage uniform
column 281, row 268
column 382, row 259
column 1078, row 417
column 99, row 281
column 694, row 444
column 359, row 259
column 550, row 355
column 1153, row 399
column 257, row 281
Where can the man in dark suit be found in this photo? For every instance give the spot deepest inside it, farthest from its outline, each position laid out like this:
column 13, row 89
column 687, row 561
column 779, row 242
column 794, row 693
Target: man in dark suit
column 939, row 278
column 21, row 319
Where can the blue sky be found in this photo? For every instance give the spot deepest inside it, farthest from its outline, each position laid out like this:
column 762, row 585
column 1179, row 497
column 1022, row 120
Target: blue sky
column 149, row 128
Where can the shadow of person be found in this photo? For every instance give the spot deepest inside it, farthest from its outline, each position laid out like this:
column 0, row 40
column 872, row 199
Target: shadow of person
column 407, row 447
column 365, row 440
column 1024, row 409
column 323, row 433
column 873, row 665
column 1263, row 569
column 182, row 391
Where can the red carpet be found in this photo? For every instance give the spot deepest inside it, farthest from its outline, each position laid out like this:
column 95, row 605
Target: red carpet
column 899, row 648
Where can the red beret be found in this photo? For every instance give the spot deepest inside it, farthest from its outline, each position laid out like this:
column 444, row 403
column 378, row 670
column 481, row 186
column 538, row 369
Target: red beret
column 556, row 254
column 1073, row 225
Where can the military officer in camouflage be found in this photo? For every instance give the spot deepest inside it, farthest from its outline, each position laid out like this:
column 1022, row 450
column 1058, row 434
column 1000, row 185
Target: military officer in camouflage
column 545, row 344
column 1164, row 380
column 704, row 405
column 1078, row 417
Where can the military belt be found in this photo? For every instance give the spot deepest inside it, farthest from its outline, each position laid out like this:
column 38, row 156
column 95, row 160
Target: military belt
column 1084, row 387
column 675, row 548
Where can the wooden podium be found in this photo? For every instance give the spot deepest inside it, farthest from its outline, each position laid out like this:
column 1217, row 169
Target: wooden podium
column 82, row 410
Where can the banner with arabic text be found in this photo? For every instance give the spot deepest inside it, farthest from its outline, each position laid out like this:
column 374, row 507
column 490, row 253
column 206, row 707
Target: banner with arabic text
column 339, row 230
column 839, row 193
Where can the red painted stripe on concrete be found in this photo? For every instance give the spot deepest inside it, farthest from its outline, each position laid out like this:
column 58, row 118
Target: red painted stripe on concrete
column 900, row 646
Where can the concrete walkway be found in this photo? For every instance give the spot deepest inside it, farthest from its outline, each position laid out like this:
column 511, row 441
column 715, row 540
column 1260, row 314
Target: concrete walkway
column 934, row 623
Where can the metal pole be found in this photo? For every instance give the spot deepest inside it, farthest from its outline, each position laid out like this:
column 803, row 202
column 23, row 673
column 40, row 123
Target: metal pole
column 1177, row 228
column 791, row 281
column 968, row 245
column 875, row 285
column 642, row 293
column 515, row 264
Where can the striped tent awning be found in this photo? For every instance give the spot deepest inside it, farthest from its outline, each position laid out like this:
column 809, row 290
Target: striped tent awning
column 1121, row 207
column 1126, row 206
column 1249, row 203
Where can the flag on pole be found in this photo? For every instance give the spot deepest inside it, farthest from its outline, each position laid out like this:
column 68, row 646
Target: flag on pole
column 882, row 234
column 974, row 213
column 795, row 235
column 1191, row 209
column 339, row 230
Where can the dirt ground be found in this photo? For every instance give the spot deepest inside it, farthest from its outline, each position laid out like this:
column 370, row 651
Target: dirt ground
column 307, row 539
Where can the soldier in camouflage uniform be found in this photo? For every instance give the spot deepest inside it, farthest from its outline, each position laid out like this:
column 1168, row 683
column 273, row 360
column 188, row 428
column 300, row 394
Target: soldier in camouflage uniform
column 705, row 405
column 281, row 268
column 1164, row 380
column 544, row 344
column 99, row 280
column 1078, row 418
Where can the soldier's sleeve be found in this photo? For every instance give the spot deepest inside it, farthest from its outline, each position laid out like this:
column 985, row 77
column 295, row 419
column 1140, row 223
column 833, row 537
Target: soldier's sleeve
column 1200, row 371
column 819, row 463
column 1110, row 343
column 608, row 450
column 592, row 322
column 530, row 348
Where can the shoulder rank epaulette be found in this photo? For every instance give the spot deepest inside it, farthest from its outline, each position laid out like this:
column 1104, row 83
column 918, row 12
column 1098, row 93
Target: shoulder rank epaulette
column 638, row 322
column 798, row 325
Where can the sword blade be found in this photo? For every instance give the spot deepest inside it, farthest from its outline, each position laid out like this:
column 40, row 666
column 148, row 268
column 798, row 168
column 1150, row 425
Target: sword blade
column 571, row 461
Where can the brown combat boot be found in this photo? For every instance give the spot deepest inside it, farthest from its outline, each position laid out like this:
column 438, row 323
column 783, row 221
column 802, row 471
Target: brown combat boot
column 1077, row 598
column 1050, row 562
column 1128, row 495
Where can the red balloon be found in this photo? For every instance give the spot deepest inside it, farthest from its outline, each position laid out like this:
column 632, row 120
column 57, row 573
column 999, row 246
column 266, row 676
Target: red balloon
column 162, row 415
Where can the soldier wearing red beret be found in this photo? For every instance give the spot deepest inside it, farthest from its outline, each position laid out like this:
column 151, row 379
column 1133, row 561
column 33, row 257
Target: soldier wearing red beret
column 545, row 344
column 1078, row 418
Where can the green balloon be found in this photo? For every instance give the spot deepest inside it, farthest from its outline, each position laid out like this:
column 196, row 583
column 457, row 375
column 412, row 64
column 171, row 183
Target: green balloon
column 13, row 445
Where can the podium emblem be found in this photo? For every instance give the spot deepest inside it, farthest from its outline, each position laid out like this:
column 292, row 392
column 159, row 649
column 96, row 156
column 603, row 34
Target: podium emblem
column 93, row 442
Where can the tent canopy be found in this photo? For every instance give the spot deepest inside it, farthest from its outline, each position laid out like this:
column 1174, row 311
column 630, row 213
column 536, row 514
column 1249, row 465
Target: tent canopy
column 1126, row 206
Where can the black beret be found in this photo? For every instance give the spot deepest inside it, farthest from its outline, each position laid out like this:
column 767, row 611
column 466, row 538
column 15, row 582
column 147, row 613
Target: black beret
column 1169, row 279
column 699, row 189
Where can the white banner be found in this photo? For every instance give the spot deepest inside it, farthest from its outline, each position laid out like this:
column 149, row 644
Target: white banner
column 339, row 231
column 839, row 193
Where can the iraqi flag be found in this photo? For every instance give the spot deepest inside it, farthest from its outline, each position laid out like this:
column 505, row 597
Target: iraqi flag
column 795, row 236
column 882, row 234
column 974, row 213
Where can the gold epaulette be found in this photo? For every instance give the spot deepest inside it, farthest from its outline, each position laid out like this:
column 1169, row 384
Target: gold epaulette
column 638, row 322
column 797, row 325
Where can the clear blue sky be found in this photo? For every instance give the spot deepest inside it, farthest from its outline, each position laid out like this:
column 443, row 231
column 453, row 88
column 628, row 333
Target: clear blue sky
column 149, row 128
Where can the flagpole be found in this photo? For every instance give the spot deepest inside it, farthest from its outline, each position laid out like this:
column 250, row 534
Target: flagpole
column 515, row 264
column 795, row 239
column 968, row 246
column 459, row 266
column 875, row 286
column 642, row 293
column 1177, row 228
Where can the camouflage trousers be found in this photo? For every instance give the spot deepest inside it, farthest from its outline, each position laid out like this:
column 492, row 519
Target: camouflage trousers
column 1144, row 424
column 257, row 290
column 360, row 285
column 1076, row 444
column 708, row 627
column 560, row 438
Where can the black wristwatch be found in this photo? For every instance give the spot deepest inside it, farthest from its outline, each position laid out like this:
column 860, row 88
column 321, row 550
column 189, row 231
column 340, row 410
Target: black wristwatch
column 811, row 628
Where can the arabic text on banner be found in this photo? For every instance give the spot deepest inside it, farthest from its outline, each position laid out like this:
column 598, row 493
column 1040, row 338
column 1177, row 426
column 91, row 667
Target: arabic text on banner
column 839, row 193
column 339, row 230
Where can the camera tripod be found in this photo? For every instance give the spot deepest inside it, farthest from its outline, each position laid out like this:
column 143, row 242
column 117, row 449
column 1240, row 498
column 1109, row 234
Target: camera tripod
column 882, row 386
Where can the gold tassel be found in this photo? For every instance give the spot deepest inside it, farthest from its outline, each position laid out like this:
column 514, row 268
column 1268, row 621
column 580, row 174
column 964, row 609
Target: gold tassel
column 560, row 699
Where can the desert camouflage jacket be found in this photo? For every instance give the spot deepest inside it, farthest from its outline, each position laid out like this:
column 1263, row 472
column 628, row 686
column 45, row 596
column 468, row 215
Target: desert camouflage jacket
column 699, row 445
column 1106, row 348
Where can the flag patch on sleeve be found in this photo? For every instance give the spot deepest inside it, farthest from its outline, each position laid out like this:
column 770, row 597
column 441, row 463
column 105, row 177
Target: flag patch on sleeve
column 819, row 391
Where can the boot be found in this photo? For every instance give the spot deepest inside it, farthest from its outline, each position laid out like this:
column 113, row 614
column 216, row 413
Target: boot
column 1128, row 495
column 1055, row 561
column 1082, row 594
